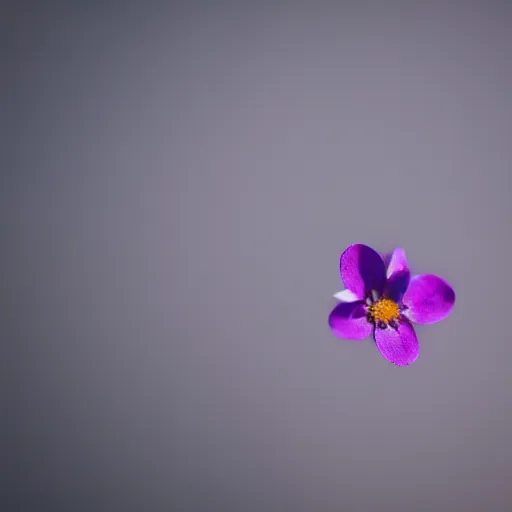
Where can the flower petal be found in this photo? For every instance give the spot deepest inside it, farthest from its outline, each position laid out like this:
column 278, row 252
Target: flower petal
column 398, row 275
column 400, row 346
column 348, row 321
column 429, row 299
column 362, row 270
column 346, row 296
column 397, row 262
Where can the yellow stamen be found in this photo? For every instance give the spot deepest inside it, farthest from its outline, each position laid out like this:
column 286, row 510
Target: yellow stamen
column 385, row 310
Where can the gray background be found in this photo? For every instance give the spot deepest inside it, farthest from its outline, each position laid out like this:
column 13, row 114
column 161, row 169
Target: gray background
column 178, row 185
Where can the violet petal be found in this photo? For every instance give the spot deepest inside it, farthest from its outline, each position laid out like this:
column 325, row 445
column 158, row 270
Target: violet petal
column 400, row 346
column 362, row 270
column 348, row 320
column 429, row 299
column 398, row 275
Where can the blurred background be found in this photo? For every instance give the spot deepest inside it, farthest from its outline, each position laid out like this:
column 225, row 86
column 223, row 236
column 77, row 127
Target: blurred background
column 178, row 183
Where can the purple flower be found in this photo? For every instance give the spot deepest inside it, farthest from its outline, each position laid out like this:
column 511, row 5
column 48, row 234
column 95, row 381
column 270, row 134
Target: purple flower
column 386, row 300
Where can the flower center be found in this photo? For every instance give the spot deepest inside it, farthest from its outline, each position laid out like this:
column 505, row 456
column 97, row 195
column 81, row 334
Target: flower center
column 384, row 311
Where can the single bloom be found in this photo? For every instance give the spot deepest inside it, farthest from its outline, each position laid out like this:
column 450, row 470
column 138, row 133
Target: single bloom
column 384, row 299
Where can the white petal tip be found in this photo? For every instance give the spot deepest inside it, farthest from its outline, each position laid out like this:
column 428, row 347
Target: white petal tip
column 345, row 296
